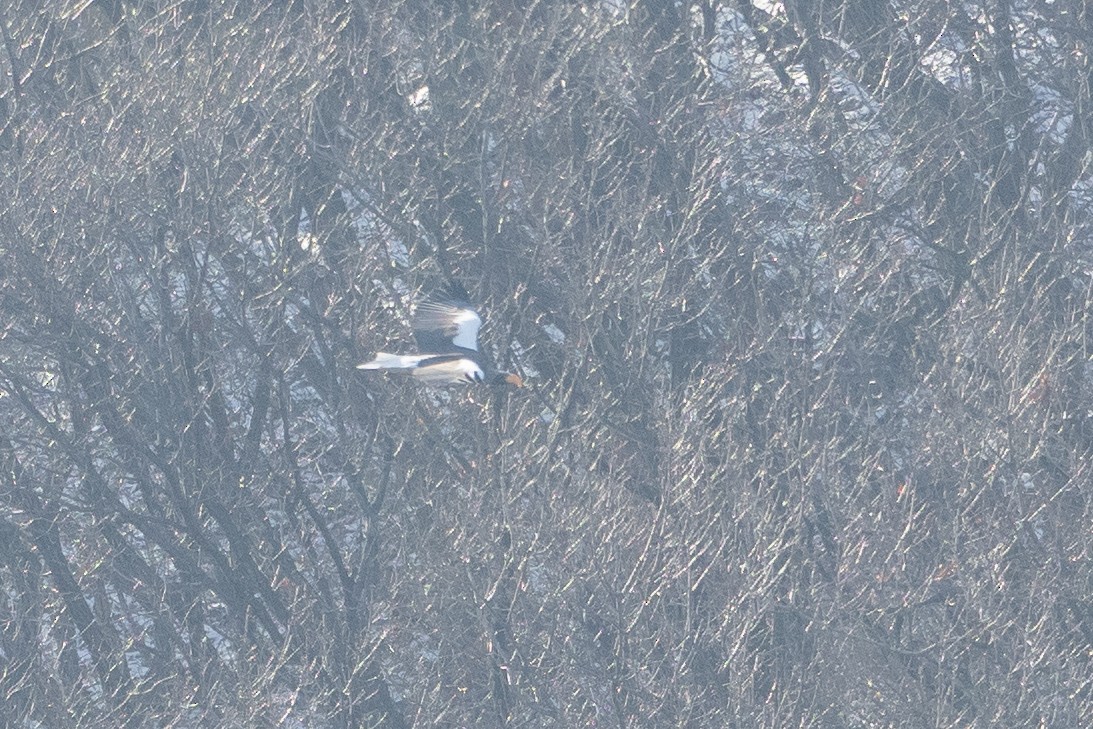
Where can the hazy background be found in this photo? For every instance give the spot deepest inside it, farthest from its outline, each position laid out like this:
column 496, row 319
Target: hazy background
column 801, row 292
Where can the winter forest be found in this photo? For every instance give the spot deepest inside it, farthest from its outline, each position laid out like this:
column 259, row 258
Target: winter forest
column 800, row 293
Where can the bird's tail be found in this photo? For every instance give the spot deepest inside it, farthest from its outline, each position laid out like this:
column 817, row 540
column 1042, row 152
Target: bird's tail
column 385, row 361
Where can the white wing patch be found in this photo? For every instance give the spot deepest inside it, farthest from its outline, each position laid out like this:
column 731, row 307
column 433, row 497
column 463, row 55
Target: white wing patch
column 467, row 323
column 455, row 372
column 441, row 325
column 385, row 361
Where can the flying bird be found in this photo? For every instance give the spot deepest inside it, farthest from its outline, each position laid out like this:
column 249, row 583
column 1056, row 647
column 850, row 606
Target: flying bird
column 446, row 331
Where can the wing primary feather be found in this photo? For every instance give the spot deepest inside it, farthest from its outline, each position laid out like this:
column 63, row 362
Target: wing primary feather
column 444, row 325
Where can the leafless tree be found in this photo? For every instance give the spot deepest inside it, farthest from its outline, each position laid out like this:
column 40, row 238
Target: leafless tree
column 801, row 292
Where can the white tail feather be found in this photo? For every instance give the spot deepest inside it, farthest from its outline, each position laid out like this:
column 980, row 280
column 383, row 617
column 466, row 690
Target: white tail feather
column 386, row 361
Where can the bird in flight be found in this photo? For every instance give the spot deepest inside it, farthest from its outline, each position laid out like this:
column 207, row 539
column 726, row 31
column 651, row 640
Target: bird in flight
column 446, row 331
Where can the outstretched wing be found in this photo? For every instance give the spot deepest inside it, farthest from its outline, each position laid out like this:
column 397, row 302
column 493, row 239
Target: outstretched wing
column 444, row 325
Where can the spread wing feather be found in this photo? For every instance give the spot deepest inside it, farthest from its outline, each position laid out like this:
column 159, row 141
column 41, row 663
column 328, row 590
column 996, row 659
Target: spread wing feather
column 449, row 370
column 445, row 326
